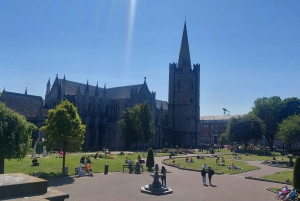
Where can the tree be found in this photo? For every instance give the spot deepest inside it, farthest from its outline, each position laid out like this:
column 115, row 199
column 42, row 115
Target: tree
column 242, row 129
column 150, row 159
column 290, row 107
column 223, row 139
column 136, row 125
column 15, row 135
column 296, row 174
column 64, row 129
column 269, row 110
column 289, row 129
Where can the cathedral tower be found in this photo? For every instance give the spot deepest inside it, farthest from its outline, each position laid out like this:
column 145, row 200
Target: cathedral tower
column 184, row 98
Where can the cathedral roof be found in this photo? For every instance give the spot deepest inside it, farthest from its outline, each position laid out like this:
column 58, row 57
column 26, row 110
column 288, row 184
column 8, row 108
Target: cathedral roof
column 160, row 103
column 26, row 105
column 113, row 93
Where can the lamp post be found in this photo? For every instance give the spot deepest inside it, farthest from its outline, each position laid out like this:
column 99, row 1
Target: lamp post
column 211, row 137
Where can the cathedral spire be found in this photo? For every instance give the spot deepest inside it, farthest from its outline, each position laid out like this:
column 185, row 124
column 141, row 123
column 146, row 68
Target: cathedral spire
column 97, row 90
column 87, row 87
column 184, row 55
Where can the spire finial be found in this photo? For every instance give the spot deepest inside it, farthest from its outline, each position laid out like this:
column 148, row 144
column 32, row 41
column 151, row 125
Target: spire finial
column 144, row 79
column 184, row 55
column 26, row 91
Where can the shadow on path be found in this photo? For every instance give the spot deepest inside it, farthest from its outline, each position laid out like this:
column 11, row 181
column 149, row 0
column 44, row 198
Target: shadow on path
column 61, row 181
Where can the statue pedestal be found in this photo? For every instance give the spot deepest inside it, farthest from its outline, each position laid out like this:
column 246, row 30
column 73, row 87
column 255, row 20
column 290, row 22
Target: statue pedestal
column 156, row 188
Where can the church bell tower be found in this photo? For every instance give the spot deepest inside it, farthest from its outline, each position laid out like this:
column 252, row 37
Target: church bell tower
column 184, row 98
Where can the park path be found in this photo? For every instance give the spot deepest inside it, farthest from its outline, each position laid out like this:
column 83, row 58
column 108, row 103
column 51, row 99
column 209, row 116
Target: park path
column 186, row 185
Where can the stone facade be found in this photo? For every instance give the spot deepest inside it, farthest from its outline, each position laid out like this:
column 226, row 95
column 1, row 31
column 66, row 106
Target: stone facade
column 176, row 122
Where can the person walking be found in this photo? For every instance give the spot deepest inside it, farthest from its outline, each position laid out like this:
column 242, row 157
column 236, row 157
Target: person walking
column 203, row 174
column 164, row 173
column 210, row 173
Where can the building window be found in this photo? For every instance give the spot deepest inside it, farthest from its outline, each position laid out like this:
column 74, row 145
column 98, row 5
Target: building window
column 178, row 85
column 145, row 97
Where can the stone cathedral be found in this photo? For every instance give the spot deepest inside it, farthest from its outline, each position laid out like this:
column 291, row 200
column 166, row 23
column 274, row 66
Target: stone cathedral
column 177, row 122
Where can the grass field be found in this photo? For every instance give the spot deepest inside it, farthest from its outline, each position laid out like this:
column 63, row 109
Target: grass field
column 198, row 163
column 280, row 176
column 52, row 166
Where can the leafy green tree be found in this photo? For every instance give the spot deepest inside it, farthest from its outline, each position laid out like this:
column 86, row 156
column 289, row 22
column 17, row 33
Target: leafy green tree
column 150, row 159
column 296, row 174
column 291, row 106
column 64, row 129
column 242, row 129
column 15, row 135
column 223, row 139
column 269, row 110
column 136, row 125
column 289, row 129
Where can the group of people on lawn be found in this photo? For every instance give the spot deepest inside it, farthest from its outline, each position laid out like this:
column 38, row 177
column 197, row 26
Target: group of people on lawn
column 286, row 193
column 86, row 161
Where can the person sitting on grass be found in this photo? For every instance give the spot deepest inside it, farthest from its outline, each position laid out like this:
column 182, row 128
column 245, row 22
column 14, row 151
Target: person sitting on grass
column 96, row 156
column 35, row 162
column 88, row 160
column 222, row 161
column 88, row 169
column 284, row 191
column 293, row 193
column 82, row 160
column 122, row 153
column 192, row 160
column 187, row 159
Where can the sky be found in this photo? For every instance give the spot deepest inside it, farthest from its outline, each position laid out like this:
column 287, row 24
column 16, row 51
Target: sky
column 246, row 49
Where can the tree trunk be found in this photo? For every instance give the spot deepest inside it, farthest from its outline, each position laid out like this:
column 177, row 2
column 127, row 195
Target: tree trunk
column 1, row 165
column 64, row 162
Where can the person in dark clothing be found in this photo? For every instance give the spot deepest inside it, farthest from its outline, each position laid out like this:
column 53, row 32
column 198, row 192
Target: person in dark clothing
column 210, row 173
column 164, row 173
column 203, row 174
column 35, row 162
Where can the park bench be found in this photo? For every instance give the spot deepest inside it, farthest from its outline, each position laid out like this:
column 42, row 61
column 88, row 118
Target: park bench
column 133, row 166
column 83, row 169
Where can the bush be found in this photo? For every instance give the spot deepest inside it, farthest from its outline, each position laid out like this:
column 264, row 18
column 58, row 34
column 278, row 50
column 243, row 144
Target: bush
column 296, row 174
column 150, row 159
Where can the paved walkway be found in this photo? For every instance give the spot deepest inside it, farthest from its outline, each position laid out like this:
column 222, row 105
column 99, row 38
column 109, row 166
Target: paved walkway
column 186, row 185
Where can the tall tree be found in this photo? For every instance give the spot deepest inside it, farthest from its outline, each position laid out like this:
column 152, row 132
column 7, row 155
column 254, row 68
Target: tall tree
column 223, row 139
column 15, row 135
column 245, row 128
column 296, row 174
column 289, row 129
column 270, row 111
column 136, row 125
column 290, row 107
column 64, row 129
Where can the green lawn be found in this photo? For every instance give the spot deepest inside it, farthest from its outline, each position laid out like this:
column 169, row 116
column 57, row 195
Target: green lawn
column 280, row 176
column 198, row 163
column 52, row 166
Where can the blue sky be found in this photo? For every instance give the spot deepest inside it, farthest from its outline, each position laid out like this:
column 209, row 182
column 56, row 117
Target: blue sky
column 247, row 49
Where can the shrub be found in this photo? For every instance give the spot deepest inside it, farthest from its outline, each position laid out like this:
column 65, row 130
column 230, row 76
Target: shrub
column 296, row 174
column 150, row 159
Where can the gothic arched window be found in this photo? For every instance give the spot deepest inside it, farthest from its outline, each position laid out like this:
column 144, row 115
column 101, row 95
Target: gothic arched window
column 178, row 85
